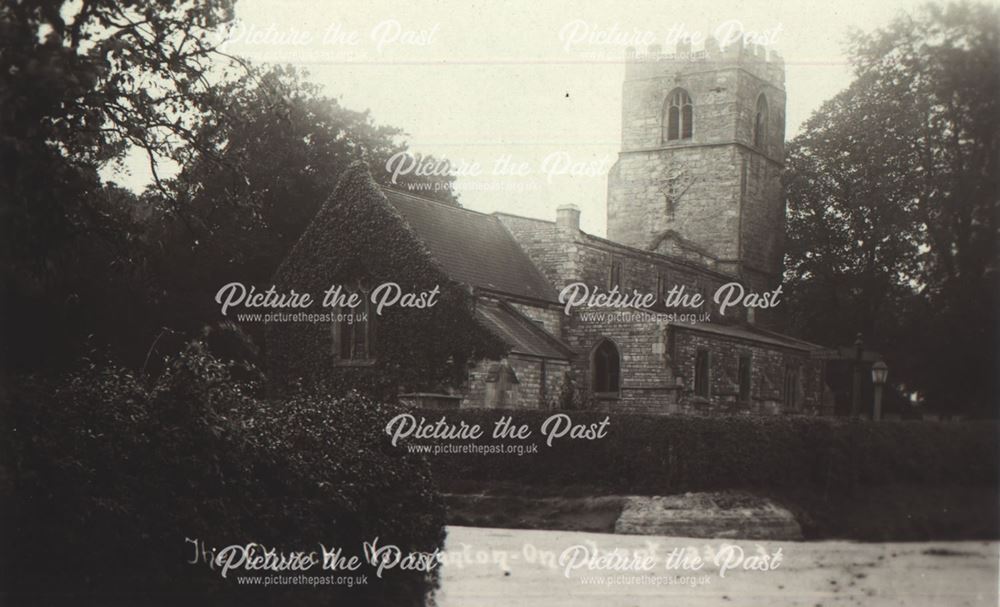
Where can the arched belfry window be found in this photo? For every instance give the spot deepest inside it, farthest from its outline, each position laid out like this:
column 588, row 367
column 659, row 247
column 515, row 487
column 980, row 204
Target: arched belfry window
column 678, row 116
column 760, row 122
column 606, row 369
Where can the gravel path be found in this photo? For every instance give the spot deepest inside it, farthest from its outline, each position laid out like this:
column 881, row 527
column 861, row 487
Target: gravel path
column 522, row 567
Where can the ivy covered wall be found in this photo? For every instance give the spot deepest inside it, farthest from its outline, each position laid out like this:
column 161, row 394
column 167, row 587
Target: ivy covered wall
column 358, row 237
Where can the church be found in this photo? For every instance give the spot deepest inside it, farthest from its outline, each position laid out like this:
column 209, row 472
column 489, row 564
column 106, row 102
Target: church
column 694, row 202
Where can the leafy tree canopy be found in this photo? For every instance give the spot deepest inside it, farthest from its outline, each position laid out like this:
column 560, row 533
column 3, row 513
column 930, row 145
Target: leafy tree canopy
column 893, row 201
column 82, row 84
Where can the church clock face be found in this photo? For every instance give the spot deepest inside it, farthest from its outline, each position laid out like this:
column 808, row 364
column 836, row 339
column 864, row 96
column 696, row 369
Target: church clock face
column 673, row 185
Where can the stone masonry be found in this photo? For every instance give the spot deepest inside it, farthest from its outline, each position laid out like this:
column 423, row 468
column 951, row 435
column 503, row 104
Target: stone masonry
column 692, row 208
column 718, row 189
column 657, row 356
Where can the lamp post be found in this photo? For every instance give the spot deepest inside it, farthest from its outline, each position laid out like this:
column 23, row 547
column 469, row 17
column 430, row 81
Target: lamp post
column 880, row 371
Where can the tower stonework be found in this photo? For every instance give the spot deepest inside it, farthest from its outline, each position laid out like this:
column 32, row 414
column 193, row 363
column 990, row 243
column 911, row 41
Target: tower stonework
column 699, row 171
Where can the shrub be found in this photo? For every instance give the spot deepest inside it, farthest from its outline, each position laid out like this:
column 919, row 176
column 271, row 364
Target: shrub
column 658, row 455
column 105, row 477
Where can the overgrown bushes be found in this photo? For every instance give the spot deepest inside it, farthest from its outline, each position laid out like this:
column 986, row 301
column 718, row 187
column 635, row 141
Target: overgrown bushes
column 665, row 454
column 104, row 478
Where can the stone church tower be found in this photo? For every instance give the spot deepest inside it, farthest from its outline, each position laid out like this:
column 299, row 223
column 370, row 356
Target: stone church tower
column 699, row 172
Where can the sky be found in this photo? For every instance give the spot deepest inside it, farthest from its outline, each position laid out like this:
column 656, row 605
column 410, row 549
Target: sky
column 524, row 98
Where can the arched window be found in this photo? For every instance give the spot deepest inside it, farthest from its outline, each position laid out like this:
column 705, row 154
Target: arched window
column 760, row 122
column 606, row 369
column 678, row 116
column 354, row 330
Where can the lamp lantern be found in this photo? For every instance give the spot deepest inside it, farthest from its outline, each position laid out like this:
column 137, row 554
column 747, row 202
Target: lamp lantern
column 880, row 371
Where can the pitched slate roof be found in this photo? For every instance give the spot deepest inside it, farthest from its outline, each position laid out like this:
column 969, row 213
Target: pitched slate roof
column 752, row 333
column 519, row 332
column 471, row 247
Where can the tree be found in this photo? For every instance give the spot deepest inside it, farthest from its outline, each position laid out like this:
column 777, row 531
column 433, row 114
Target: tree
column 893, row 194
column 242, row 207
column 81, row 84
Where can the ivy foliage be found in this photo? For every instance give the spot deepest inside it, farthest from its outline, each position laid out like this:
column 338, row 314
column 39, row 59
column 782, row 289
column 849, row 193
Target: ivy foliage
column 358, row 238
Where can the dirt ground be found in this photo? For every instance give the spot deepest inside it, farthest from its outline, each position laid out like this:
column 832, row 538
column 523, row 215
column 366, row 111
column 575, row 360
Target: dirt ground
column 487, row 566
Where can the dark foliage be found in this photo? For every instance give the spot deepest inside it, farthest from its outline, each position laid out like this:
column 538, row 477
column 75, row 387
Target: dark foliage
column 86, row 263
column 659, row 455
column 78, row 85
column 105, row 477
column 893, row 206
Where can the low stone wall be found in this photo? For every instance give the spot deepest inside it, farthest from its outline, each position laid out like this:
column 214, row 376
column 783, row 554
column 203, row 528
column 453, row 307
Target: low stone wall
column 709, row 515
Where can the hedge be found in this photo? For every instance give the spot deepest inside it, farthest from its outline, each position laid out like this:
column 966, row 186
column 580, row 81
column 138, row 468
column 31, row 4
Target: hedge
column 104, row 477
column 656, row 455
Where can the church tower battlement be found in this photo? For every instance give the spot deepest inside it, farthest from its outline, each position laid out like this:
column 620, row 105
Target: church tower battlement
column 701, row 157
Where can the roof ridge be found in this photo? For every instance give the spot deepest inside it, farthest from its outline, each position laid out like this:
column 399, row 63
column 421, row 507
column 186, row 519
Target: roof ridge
column 787, row 336
column 440, row 203
column 538, row 219
column 753, row 334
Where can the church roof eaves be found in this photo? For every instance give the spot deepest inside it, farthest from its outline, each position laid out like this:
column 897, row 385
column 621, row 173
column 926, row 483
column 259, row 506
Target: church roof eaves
column 471, row 247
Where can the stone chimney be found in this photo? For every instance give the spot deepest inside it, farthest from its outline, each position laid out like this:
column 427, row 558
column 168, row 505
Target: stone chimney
column 568, row 220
